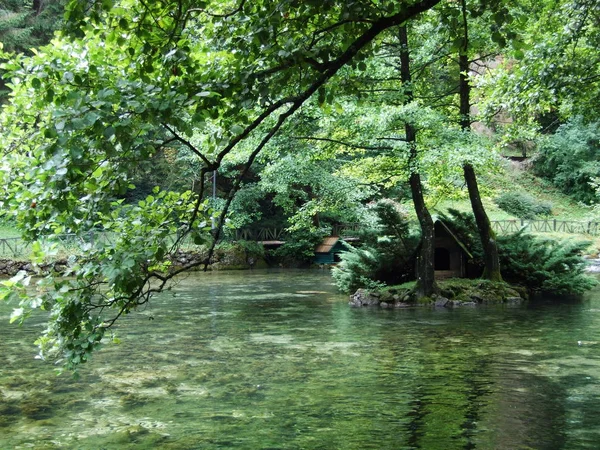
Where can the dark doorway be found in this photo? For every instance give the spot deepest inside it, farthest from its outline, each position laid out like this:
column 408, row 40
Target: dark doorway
column 442, row 259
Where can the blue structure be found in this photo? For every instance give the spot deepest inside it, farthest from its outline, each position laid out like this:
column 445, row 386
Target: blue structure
column 327, row 251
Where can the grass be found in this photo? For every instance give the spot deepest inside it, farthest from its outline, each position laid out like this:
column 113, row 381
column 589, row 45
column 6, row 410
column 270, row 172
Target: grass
column 8, row 230
column 513, row 177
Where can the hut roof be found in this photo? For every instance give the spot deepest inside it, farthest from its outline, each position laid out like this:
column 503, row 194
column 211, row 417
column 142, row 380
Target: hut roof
column 327, row 244
column 453, row 236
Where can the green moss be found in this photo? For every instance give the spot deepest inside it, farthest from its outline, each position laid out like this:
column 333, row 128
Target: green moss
column 37, row 406
column 130, row 400
column 424, row 301
column 464, row 290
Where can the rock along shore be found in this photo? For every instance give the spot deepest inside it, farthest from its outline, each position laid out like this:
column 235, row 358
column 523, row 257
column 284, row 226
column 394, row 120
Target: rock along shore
column 222, row 261
column 453, row 293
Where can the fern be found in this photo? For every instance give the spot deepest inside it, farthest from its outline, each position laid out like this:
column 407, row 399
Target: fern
column 544, row 265
column 387, row 259
column 357, row 269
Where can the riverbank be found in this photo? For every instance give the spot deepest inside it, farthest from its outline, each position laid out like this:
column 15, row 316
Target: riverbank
column 231, row 259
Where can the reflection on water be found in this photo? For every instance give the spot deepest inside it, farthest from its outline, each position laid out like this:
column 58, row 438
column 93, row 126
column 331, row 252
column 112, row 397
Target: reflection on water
column 272, row 360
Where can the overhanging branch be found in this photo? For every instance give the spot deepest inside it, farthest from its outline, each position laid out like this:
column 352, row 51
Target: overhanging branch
column 346, row 144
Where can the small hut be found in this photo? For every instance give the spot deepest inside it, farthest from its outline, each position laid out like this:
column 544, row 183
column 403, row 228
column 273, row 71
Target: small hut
column 451, row 256
column 327, row 252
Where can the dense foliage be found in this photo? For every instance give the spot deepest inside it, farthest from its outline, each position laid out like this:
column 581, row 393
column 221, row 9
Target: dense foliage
column 26, row 24
column 545, row 265
column 570, row 158
column 522, row 205
column 299, row 248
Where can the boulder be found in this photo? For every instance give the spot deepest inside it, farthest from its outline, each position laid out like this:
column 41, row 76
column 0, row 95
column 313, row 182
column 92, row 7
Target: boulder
column 362, row 297
column 441, row 302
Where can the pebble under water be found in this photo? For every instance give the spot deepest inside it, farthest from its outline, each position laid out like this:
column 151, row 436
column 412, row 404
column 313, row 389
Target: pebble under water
column 278, row 360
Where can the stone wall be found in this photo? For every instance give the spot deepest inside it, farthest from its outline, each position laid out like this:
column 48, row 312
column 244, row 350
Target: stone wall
column 10, row 267
column 222, row 261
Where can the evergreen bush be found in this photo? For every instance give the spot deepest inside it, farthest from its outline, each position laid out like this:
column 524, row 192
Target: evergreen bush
column 358, row 269
column 522, row 205
column 544, row 265
column 387, row 255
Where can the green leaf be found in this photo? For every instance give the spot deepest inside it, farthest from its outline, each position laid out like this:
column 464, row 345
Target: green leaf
column 17, row 314
column 237, row 129
column 108, row 132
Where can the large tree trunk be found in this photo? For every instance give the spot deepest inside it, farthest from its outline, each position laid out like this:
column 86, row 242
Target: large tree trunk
column 426, row 285
column 491, row 270
column 491, row 259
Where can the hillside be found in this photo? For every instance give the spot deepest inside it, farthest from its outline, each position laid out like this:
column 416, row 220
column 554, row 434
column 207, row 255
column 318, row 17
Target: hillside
column 517, row 177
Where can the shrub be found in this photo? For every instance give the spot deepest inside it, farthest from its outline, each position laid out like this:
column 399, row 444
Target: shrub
column 544, row 265
column 387, row 255
column 253, row 249
column 522, row 205
column 570, row 158
column 540, row 265
column 299, row 248
column 238, row 253
column 357, row 269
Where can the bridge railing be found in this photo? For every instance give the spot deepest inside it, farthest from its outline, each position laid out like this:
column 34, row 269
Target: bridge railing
column 260, row 234
column 347, row 229
column 280, row 234
column 547, row 226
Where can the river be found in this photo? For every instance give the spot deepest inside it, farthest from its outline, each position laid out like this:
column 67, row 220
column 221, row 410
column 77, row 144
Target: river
column 278, row 360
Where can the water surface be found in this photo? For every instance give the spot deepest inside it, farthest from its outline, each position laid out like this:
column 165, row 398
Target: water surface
column 278, row 360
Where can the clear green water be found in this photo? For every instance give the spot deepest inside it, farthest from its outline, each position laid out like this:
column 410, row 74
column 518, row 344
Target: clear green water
column 254, row 360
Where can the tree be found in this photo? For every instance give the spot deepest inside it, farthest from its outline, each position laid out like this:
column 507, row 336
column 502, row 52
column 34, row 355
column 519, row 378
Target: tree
column 491, row 269
column 28, row 24
column 84, row 112
column 426, row 285
column 569, row 158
